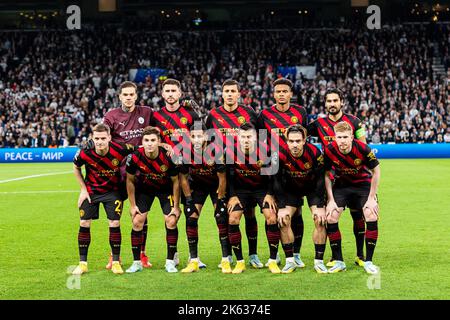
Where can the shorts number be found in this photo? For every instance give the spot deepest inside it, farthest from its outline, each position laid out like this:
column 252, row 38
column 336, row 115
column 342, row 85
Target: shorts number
column 119, row 207
column 170, row 200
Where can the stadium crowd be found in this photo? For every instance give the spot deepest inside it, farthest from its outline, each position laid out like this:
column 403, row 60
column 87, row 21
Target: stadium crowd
column 55, row 85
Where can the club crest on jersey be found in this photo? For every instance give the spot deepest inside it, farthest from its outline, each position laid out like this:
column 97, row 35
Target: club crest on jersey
column 82, row 213
column 357, row 162
column 141, row 120
column 294, row 119
column 307, row 165
column 164, row 168
column 115, row 162
column 241, row 120
column 183, row 120
column 273, row 120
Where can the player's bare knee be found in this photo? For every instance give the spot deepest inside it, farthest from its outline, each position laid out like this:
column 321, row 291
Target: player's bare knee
column 234, row 218
column 171, row 222
column 85, row 223
column 272, row 219
column 332, row 218
column 114, row 223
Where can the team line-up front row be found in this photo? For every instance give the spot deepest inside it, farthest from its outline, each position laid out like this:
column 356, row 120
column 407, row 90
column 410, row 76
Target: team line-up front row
column 345, row 174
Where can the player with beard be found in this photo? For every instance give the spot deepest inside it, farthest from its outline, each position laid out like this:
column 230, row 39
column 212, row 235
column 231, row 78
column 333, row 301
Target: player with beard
column 323, row 129
column 174, row 121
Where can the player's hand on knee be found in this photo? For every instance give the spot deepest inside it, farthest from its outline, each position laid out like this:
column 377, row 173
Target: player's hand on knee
column 271, row 202
column 372, row 206
column 283, row 219
column 84, row 194
column 331, row 208
column 174, row 212
column 320, row 217
column 232, row 203
column 134, row 211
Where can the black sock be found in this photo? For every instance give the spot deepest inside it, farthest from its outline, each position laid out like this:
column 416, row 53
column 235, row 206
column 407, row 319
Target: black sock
column 288, row 249
column 298, row 229
column 320, row 250
column 171, row 240
column 359, row 230
column 144, row 236
column 335, row 240
column 192, row 236
column 84, row 239
column 234, row 234
column 371, row 239
column 273, row 237
column 251, row 229
column 115, row 240
column 136, row 241
column 222, row 225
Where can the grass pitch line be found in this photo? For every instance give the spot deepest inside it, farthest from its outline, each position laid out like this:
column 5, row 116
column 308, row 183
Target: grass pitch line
column 35, row 176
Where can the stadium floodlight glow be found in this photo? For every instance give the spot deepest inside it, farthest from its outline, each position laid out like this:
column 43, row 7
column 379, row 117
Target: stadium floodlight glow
column 435, row 18
column 197, row 21
column 300, row 11
column 271, row 12
column 306, row 11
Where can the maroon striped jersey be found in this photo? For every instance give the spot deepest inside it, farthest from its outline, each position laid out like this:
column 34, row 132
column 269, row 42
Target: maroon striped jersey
column 245, row 172
column 323, row 127
column 228, row 123
column 127, row 127
column 352, row 168
column 301, row 172
column 174, row 124
column 102, row 172
column 274, row 120
column 152, row 175
column 202, row 169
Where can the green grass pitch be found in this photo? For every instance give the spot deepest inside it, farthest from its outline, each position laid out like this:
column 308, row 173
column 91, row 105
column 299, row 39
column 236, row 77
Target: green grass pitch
column 38, row 238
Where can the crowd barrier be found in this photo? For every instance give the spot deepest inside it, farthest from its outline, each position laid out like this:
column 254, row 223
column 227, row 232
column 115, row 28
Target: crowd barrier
column 382, row 151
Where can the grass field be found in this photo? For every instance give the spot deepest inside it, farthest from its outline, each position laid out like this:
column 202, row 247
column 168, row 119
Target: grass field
column 38, row 242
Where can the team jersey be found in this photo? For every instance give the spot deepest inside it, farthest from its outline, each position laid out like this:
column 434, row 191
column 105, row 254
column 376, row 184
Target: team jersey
column 152, row 175
column 127, row 127
column 323, row 128
column 202, row 169
column 102, row 172
column 174, row 124
column 352, row 168
column 227, row 123
column 274, row 120
column 245, row 172
column 301, row 172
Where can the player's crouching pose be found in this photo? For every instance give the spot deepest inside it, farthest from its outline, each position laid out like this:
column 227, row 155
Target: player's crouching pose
column 151, row 173
column 100, row 185
column 203, row 173
column 300, row 174
column 248, row 187
column 357, row 174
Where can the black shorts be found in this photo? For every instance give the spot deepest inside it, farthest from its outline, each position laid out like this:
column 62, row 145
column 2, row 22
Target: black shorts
column 144, row 201
column 351, row 196
column 296, row 199
column 201, row 194
column 112, row 203
column 250, row 198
